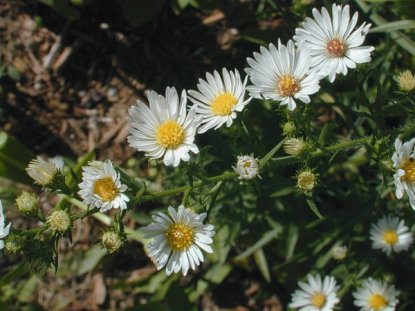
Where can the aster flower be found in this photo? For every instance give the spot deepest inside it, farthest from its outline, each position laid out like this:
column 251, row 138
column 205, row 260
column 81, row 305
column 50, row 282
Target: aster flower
column 403, row 161
column 101, row 186
column 282, row 74
column 219, row 98
column 44, row 172
column 390, row 234
column 247, row 167
column 334, row 42
column 4, row 230
column 164, row 130
column 177, row 239
column 316, row 294
column 376, row 296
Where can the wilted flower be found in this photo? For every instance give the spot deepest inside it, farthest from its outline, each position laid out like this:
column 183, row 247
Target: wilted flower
column 376, row 296
column 219, row 98
column 27, row 202
column 295, row 146
column 59, row 221
column 101, row 186
column 177, row 239
column 316, row 294
column 334, row 43
column 164, row 129
column 247, row 167
column 406, row 81
column 390, row 234
column 44, row 172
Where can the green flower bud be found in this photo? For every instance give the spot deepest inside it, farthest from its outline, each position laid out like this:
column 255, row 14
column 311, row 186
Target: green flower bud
column 59, row 221
column 13, row 245
column 27, row 202
column 111, row 241
column 288, row 128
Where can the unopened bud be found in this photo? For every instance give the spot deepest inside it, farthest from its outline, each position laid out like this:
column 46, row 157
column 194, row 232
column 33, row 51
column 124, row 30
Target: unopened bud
column 111, row 241
column 406, row 81
column 288, row 128
column 13, row 245
column 59, row 221
column 339, row 252
column 306, row 180
column 27, row 202
column 295, row 146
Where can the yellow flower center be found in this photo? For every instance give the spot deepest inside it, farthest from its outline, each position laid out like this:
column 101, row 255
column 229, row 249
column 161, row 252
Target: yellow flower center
column 223, row 104
column 180, row 237
column 170, row 134
column 390, row 237
column 336, row 48
column 288, row 85
column 246, row 164
column 106, row 188
column 409, row 168
column 306, row 180
column 377, row 301
column 318, row 300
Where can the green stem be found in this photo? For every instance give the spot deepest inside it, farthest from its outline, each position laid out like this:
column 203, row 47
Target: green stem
column 343, row 145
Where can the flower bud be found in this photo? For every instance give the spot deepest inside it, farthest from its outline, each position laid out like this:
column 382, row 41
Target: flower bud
column 13, row 245
column 111, row 241
column 44, row 172
column 27, row 203
column 406, row 81
column 339, row 252
column 247, row 167
column 306, row 180
column 288, row 128
column 59, row 221
column 295, row 146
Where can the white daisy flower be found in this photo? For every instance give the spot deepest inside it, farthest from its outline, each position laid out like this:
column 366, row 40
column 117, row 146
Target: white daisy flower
column 316, row 294
column 403, row 161
column 247, row 167
column 282, row 74
column 376, row 296
column 101, row 186
column 164, row 130
column 334, row 42
column 44, row 172
column 218, row 99
column 390, row 234
column 4, row 230
column 177, row 239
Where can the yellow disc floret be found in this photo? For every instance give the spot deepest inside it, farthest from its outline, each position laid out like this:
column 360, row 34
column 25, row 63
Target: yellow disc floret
column 288, row 85
column 223, row 104
column 390, row 237
column 180, row 237
column 106, row 188
column 377, row 301
column 318, row 300
column 170, row 134
column 336, row 48
column 409, row 168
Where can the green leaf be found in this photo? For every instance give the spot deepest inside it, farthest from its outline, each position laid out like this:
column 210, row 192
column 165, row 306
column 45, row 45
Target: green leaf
column 292, row 239
column 393, row 26
column 177, row 300
column 314, row 208
column 325, row 132
column 90, row 259
column 262, row 264
column 13, row 73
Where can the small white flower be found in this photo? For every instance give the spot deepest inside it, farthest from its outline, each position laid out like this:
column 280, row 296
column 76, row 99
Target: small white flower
column 390, row 234
column 164, row 130
column 177, row 239
column 218, row 99
column 339, row 252
column 316, row 294
column 334, row 42
column 376, row 296
column 43, row 172
column 247, row 167
column 282, row 74
column 101, row 186
column 403, row 161
column 4, row 230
